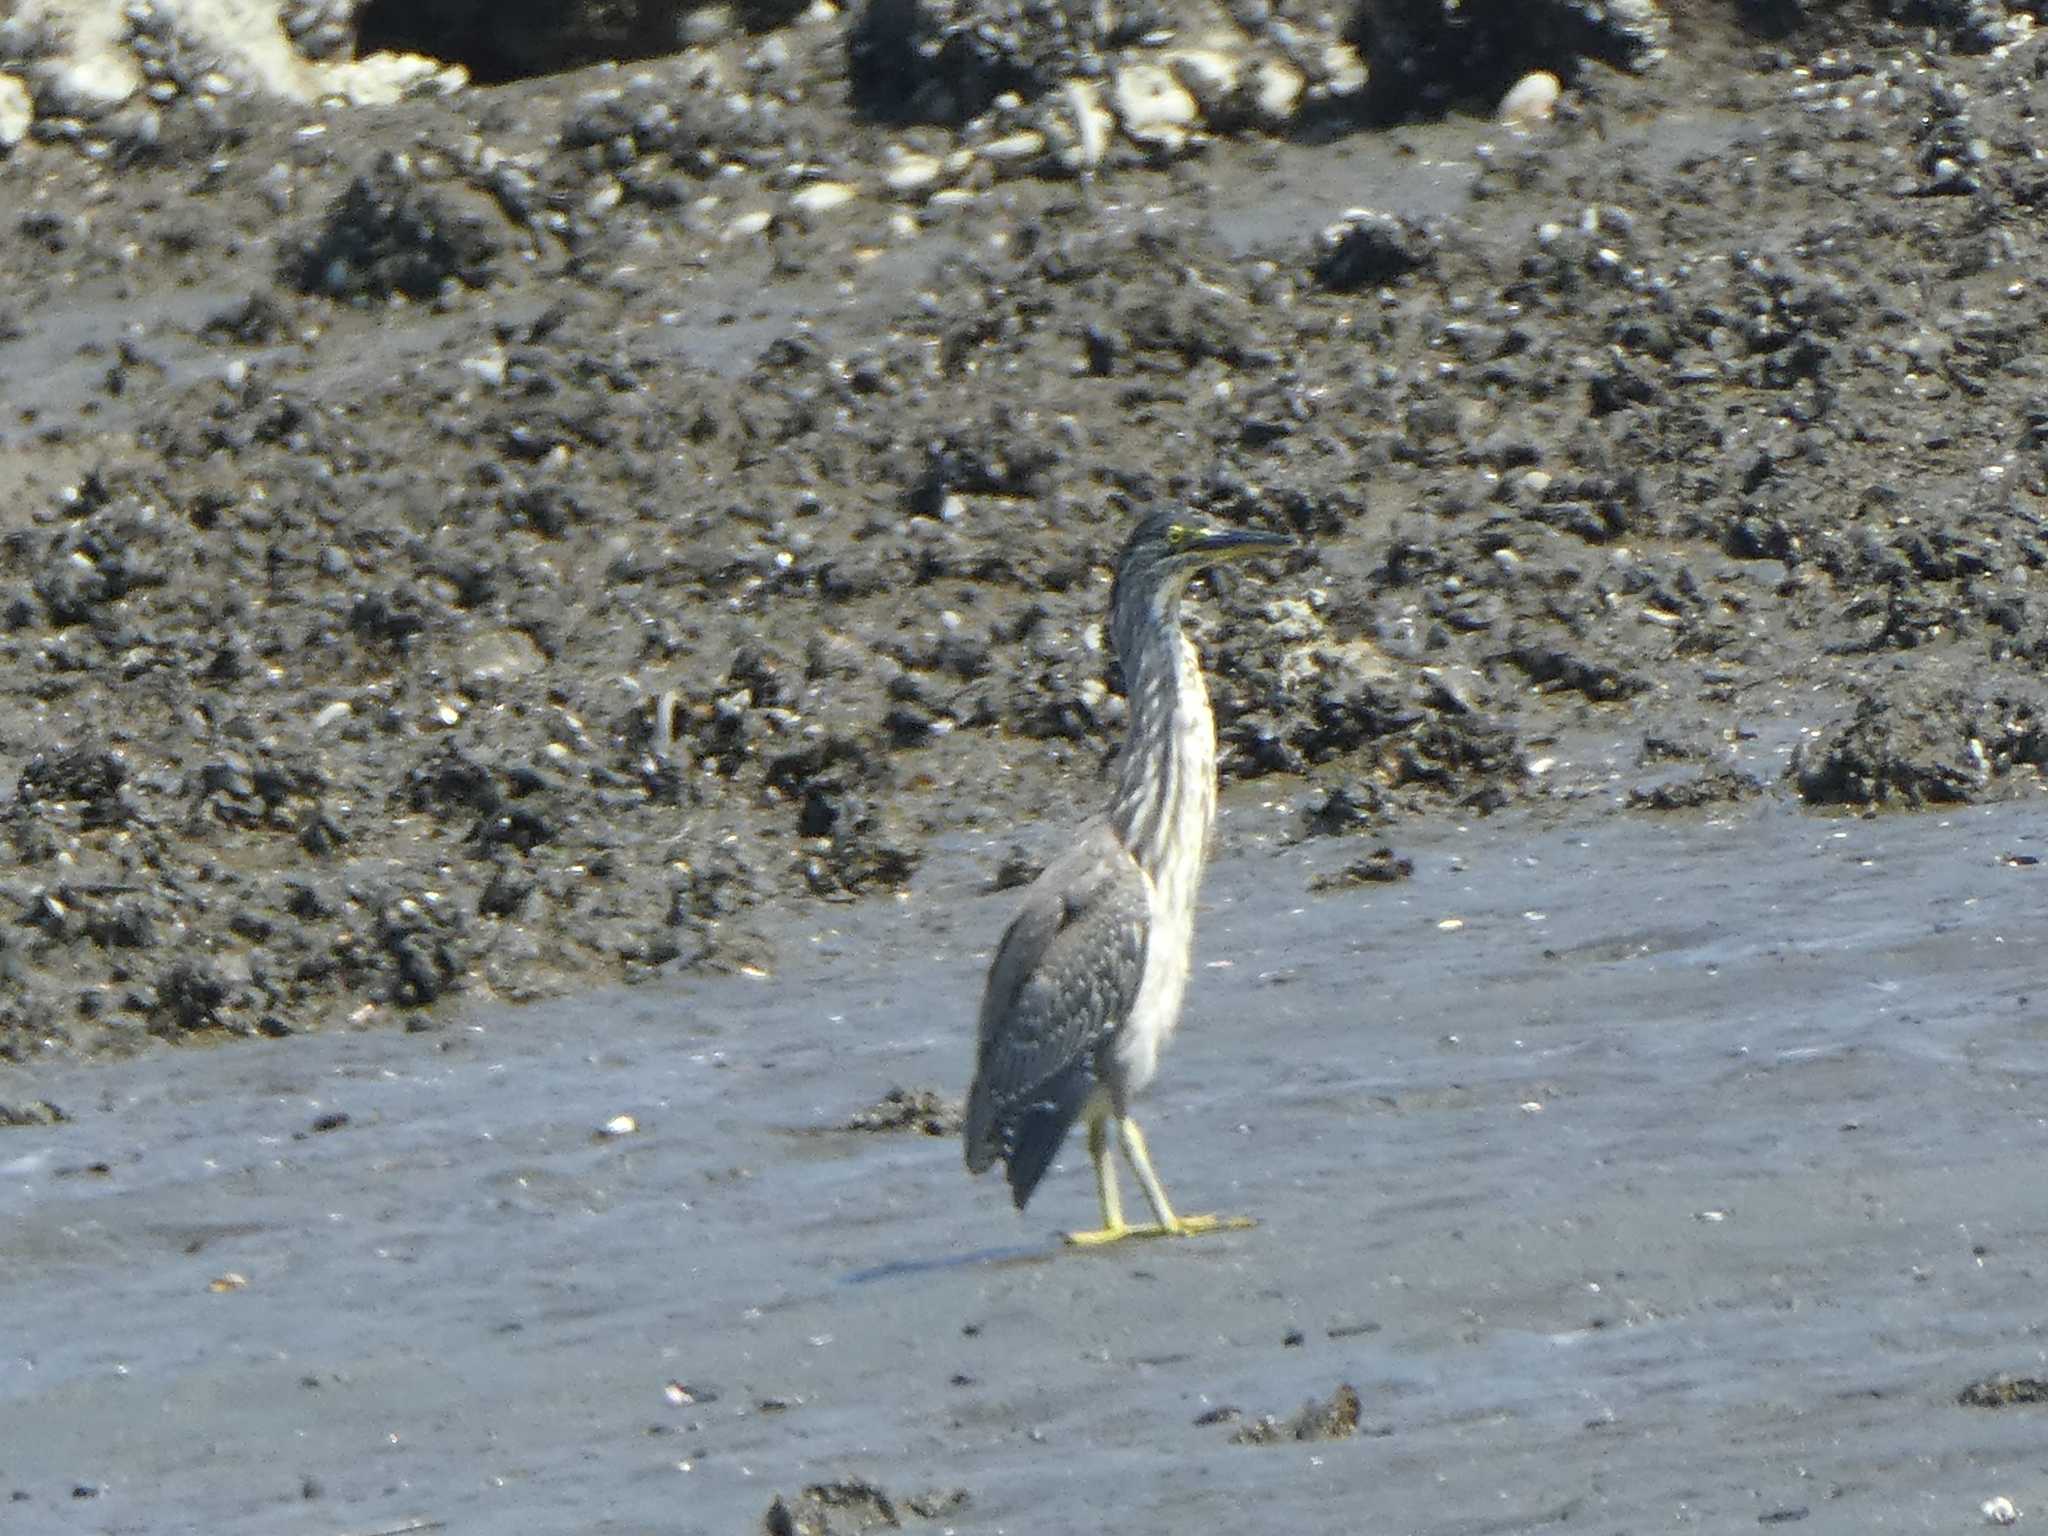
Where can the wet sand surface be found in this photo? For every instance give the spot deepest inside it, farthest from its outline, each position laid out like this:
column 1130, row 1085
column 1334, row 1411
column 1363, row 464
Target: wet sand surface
column 1683, row 1183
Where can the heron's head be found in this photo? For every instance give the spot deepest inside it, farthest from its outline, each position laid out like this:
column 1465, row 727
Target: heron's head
column 1171, row 545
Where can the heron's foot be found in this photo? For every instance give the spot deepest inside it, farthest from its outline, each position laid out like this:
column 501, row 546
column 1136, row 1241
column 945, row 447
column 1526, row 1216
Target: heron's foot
column 1180, row 1226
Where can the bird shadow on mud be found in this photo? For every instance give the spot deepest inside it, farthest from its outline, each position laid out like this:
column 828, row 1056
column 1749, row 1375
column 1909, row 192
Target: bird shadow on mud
column 1021, row 1253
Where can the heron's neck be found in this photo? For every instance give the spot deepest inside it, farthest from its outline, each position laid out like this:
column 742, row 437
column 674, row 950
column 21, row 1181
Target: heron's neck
column 1165, row 796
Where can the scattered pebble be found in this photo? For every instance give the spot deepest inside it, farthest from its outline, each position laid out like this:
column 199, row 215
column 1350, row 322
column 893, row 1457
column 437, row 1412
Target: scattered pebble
column 17, row 111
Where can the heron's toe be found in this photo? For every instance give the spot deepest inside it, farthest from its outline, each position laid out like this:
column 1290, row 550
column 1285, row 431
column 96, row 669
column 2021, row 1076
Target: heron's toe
column 1195, row 1226
column 1181, row 1226
column 1101, row 1237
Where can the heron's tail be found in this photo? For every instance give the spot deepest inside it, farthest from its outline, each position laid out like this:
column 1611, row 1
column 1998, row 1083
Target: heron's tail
column 982, row 1147
column 982, row 1135
column 1027, row 1134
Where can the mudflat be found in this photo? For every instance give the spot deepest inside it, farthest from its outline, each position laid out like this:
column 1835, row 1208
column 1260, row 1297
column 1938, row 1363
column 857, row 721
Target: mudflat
column 1609, row 1175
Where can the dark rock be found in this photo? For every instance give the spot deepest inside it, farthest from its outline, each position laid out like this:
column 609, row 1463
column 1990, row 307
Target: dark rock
column 506, row 892
column 419, row 952
column 944, row 61
column 1717, row 786
column 1552, row 667
column 523, row 827
column 320, row 834
column 1366, row 249
column 258, row 321
column 1425, row 55
column 191, row 993
column 1382, row 867
column 386, row 618
column 981, row 464
column 388, row 235
column 1909, row 746
column 89, row 778
column 501, row 40
column 1344, row 808
column 449, row 782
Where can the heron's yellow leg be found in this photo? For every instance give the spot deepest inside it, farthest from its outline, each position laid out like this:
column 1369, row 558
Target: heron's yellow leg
column 1112, row 1227
column 1168, row 1224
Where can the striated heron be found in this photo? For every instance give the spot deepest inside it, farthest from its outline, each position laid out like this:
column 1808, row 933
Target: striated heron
column 1086, row 987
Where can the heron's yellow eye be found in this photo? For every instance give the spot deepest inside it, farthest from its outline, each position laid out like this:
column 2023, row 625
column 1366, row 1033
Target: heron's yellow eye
column 1178, row 534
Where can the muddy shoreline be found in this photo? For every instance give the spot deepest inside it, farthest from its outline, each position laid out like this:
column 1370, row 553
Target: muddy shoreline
column 451, row 560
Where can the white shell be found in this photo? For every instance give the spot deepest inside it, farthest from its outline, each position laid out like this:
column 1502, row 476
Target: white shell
column 17, row 111
column 332, row 714
column 1090, row 123
column 909, row 171
column 1530, row 100
column 90, row 86
column 1209, row 74
column 823, row 197
column 1153, row 108
column 1344, row 72
column 1277, row 90
column 1013, row 149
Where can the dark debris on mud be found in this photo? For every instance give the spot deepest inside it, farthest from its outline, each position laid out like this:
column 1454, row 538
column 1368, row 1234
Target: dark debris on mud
column 2004, row 1391
column 34, row 1112
column 511, row 586
column 853, row 1505
column 1333, row 1418
column 922, row 1110
column 1380, row 867
column 1715, row 786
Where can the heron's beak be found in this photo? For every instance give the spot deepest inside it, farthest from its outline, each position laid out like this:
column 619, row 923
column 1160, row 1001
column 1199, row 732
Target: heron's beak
column 1239, row 543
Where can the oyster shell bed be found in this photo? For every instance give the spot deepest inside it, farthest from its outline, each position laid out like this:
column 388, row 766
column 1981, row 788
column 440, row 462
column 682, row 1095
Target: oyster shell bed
column 478, row 540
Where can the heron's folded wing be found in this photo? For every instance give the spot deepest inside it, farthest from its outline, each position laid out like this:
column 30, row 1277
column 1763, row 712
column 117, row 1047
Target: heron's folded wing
column 1066, row 975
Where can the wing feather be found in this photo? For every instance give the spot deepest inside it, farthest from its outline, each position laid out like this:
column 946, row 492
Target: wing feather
column 1062, row 982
